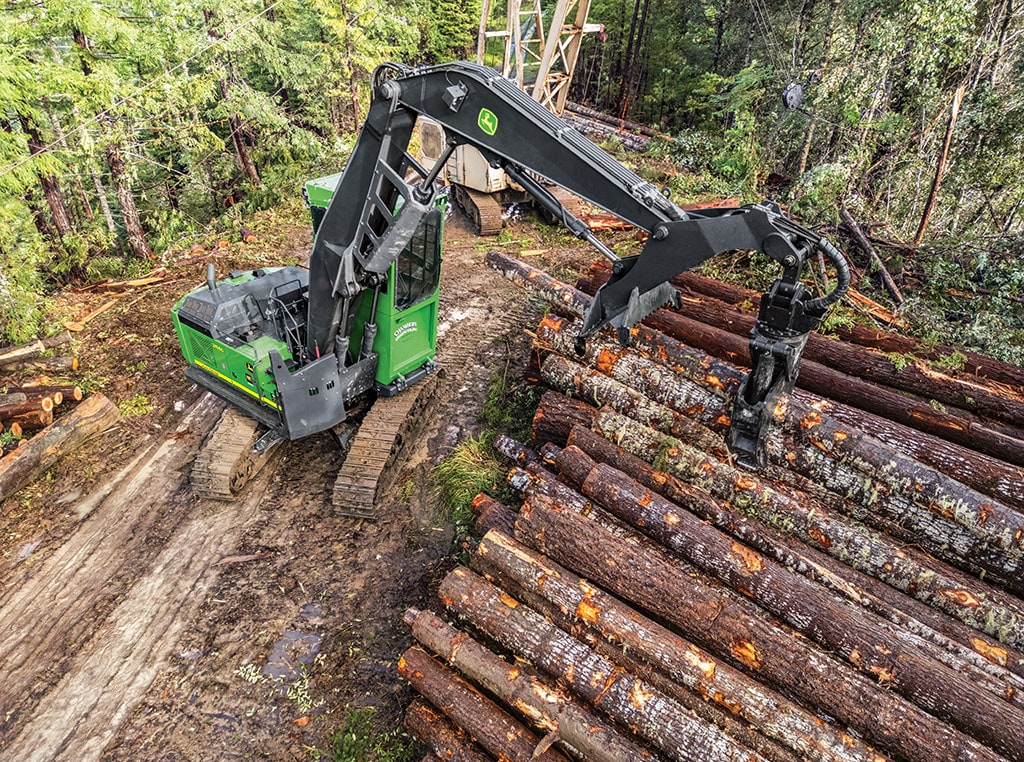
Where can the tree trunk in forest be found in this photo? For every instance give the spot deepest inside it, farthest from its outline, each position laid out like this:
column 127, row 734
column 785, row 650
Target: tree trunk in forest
column 649, row 713
column 964, row 644
column 720, row 18
column 50, row 184
column 865, row 640
column 940, row 167
column 516, row 685
column 136, row 236
column 489, row 725
column 444, row 739
column 63, row 142
column 642, row 573
column 685, row 663
column 93, row 416
column 241, row 149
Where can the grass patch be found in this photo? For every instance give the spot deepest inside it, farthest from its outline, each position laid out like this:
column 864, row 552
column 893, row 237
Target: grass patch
column 359, row 741
column 472, row 468
column 509, row 407
column 135, row 406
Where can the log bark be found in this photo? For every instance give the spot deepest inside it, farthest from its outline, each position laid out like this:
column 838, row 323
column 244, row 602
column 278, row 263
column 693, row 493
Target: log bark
column 68, row 391
column 633, row 702
column 36, row 405
column 956, row 522
column 644, row 574
column 964, row 645
column 548, row 707
column 973, row 602
column 975, row 364
column 444, row 739
column 10, row 398
column 490, row 725
column 689, row 665
column 490, row 514
column 33, row 420
column 93, row 416
column 557, row 414
column 969, row 394
column 43, row 364
column 21, row 352
column 869, row 643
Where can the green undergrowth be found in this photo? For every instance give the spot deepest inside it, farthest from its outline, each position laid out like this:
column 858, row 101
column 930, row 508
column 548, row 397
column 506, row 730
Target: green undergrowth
column 360, row 741
column 473, row 466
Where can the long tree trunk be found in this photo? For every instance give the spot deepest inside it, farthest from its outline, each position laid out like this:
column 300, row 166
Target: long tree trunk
column 729, row 626
column 866, row 641
column 490, row 725
column 548, row 706
column 136, row 236
column 446, row 740
column 50, row 185
column 964, row 645
column 940, row 166
column 700, row 671
column 649, row 713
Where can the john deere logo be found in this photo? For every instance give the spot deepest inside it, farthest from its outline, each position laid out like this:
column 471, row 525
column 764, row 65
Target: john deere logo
column 487, row 121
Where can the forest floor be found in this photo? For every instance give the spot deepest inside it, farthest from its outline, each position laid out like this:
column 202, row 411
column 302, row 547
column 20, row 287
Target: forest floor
column 138, row 622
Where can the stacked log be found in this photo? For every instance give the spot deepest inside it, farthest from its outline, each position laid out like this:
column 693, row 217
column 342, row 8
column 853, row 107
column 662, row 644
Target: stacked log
column 859, row 599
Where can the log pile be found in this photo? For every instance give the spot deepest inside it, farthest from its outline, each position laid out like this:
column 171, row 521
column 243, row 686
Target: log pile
column 644, row 598
column 43, row 417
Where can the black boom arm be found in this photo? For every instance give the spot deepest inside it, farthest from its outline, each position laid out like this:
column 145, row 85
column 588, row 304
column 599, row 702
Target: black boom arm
column 376, row 209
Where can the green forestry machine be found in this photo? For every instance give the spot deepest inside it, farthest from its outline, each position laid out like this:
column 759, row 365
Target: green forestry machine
column 294, row 351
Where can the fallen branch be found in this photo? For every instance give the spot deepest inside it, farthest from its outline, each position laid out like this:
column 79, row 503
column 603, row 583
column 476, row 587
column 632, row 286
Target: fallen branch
column 865, row 244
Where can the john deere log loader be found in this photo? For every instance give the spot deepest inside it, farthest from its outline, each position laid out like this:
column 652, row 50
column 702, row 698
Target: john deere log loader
column 293, row 351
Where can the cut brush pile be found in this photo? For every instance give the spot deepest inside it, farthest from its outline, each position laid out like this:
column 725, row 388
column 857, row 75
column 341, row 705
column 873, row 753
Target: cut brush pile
column 858, row 599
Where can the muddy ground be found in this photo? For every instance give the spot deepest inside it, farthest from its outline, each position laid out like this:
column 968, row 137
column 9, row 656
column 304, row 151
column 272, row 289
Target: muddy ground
column 140, row 623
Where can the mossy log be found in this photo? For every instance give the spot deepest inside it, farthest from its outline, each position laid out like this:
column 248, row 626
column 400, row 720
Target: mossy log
column 974, row 602
column 869, row 643
column 969, row 390
column 444, row 739
column 632, row 702
column 966, row 647
column 547, row 706
column 487, row 722
column 733, row 628
column 701, row 672
column 951, row 519
column 93, row 416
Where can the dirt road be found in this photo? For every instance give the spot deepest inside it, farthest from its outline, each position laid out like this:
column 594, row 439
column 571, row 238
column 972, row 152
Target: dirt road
column 146, row 624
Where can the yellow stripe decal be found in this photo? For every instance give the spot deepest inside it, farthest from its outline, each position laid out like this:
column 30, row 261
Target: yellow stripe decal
column 231, row 381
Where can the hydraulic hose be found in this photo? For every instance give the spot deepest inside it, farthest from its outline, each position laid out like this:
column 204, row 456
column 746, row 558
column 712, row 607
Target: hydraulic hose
column 822, row 303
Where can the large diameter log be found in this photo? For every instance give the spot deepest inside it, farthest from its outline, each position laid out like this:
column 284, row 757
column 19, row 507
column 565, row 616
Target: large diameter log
column 548, row 707
column 772, row 714
column 872, row 645
column 444, row 739
column 557, row 414
column 892, row 343
column 990, row 535
column 973, row 602
column 490, row 725
column 966, row 647
column 733, row 628
column 730, row 342
column 633, row 702
column 644, row 574
column 490, row 514
column 12, row 409
column 972, row 394
column 93, row 416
